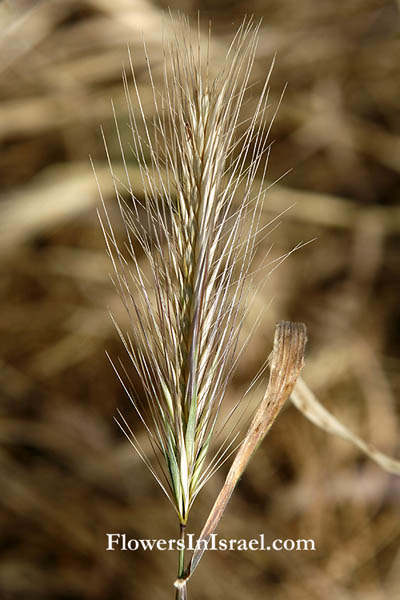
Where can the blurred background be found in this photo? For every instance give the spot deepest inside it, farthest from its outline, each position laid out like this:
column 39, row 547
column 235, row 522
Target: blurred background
column 67, row 474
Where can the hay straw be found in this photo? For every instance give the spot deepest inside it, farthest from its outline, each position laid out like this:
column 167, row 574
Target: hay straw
column 304, row 399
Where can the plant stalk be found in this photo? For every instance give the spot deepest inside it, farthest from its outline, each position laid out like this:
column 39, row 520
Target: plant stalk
column 181, row 593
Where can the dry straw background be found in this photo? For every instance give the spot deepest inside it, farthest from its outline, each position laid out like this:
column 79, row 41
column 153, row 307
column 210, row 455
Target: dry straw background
column 67, row 475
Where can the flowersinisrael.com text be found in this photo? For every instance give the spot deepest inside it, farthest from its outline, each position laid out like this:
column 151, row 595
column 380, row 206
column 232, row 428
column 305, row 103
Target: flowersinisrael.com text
column 120, row 541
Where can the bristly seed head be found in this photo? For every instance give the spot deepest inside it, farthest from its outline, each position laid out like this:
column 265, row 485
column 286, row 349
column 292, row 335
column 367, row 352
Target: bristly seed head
column 186, row 307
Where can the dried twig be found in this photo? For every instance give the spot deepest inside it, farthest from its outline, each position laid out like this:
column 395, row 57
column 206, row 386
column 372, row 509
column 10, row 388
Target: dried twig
column 304, row 399
column 286, row 363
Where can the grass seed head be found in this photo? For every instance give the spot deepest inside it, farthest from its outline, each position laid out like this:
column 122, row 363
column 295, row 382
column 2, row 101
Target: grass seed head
column 201, row 200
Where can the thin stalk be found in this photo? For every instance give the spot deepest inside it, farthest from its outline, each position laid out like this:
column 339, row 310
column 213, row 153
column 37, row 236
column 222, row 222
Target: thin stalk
column 181, row 593
column 181, row 558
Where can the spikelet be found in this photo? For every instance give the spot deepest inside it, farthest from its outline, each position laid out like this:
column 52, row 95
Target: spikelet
column 198, row 236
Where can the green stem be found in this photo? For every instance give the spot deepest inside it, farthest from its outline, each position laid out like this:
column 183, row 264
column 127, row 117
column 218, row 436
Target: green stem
column 181, row 591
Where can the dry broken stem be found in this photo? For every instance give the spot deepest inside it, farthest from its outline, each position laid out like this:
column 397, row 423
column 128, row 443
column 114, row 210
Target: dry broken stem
column 306, row 402
column 287, row 360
